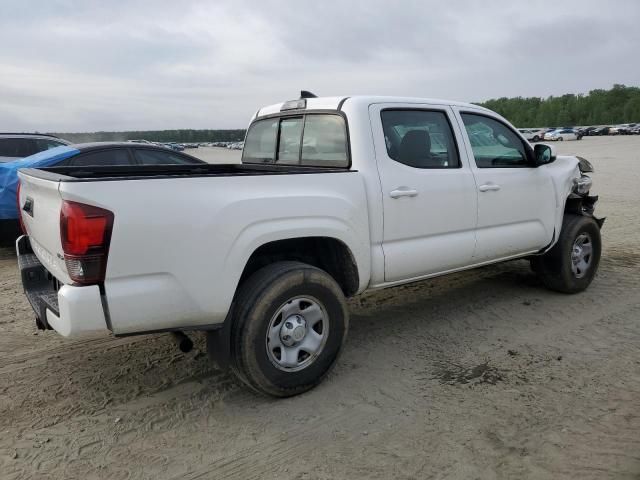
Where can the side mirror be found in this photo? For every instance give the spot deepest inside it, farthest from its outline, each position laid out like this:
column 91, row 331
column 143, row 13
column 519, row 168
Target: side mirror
column 543, row 154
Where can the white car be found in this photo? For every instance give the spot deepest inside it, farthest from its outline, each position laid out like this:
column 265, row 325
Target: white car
column 562, row 134
column 334, row 197
column 532, row 134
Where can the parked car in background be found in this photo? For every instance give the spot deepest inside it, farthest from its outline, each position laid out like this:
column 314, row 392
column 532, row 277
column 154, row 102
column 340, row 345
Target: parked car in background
column 261, row 255
column 603, row 130
column 562, row 134
column 532, row 134
column 586, row 131
column 81, row 155
column 14, row 146
column 547, row 134
column 625, row 129
column 174, row 146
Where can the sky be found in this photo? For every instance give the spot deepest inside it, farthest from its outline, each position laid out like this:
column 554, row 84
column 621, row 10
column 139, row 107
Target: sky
column 89, row 65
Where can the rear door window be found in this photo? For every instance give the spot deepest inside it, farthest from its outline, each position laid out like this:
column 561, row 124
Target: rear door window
column 420, row 138
column 116, row 156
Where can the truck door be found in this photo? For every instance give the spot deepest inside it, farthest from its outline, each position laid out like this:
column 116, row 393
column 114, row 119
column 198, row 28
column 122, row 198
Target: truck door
column 429, row 193
column 516, row 201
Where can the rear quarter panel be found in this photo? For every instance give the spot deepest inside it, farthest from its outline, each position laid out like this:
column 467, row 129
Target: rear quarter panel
column 179, row 245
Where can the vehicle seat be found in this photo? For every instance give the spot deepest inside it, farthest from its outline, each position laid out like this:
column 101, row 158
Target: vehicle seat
column 415, row 150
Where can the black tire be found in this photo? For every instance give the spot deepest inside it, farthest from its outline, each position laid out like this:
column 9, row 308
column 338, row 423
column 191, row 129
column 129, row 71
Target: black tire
column 554, row 268
column 536, row 138
column 258, row 301
column 560, row 139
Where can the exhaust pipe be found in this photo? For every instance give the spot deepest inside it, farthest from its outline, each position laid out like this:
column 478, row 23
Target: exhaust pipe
column 184, row 343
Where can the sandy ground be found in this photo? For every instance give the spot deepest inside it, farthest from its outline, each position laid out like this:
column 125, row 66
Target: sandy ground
column 479, row 375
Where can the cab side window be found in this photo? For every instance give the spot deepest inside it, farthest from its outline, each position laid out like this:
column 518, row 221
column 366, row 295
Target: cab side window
column 494, row 144
column 420, row 138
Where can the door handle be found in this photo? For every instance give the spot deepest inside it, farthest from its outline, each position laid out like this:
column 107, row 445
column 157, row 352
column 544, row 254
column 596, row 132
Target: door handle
column 489, row 187
column 403, row 192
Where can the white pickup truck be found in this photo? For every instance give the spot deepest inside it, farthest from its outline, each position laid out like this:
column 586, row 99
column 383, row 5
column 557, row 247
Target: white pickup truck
column 334, row 196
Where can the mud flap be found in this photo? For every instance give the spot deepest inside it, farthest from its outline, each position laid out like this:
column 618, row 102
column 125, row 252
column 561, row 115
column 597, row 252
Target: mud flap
column 219, row 343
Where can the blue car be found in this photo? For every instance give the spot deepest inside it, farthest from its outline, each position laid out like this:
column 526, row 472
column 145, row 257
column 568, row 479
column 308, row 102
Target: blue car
column 174, row 146
column 80, row 155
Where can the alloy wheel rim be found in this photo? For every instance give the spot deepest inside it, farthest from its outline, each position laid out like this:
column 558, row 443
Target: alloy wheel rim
column 581, row 255
column 297, row 333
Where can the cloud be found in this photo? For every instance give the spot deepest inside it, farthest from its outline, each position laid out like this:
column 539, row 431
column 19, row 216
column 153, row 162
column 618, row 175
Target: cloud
column 72, row 65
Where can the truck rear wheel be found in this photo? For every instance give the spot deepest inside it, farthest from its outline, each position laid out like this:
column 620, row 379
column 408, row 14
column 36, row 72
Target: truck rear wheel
column 289, row 325
column 569, row 267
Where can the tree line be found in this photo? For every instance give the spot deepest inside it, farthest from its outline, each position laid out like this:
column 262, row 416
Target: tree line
column 620, row 104
column 162, row 136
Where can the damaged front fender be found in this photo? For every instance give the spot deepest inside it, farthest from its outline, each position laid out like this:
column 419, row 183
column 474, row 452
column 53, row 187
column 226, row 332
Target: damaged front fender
column 584, row 165
column 583, row 205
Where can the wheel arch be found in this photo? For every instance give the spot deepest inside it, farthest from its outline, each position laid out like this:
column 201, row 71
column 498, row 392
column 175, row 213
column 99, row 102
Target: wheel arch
column 574, row 205
column 328, row 253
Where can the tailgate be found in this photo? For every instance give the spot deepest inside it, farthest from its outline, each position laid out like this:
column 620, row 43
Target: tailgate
column 40, row 204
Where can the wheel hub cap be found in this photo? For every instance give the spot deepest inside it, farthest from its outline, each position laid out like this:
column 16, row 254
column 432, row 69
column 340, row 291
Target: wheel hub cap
column 297, row 333
column 293, row 330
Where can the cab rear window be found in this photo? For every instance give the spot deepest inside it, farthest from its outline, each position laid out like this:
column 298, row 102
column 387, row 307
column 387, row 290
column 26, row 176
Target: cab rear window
column 313, row 139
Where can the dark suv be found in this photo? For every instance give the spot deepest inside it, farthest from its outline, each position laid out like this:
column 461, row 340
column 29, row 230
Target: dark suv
column 14, row 146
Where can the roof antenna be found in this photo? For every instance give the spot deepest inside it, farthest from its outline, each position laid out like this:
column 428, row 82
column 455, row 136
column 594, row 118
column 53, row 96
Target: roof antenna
column 307, row 94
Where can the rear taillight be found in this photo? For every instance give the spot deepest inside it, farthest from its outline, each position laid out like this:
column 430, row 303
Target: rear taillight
column 86, row 234
column 22, row 229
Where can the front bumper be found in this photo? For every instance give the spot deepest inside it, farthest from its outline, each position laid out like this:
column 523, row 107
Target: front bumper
column 68, row 309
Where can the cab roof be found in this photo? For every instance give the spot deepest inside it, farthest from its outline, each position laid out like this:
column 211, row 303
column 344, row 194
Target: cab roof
column 336, row 103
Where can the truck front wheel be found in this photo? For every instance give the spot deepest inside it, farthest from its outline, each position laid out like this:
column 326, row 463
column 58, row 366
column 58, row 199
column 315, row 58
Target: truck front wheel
column 289, row 325
column 569, row 267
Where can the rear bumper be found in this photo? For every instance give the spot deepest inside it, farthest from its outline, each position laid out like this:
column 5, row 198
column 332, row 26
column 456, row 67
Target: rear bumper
column 70, row 310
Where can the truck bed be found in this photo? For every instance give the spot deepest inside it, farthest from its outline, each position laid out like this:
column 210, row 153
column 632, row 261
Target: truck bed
column 180, row 243
column 139, row 172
